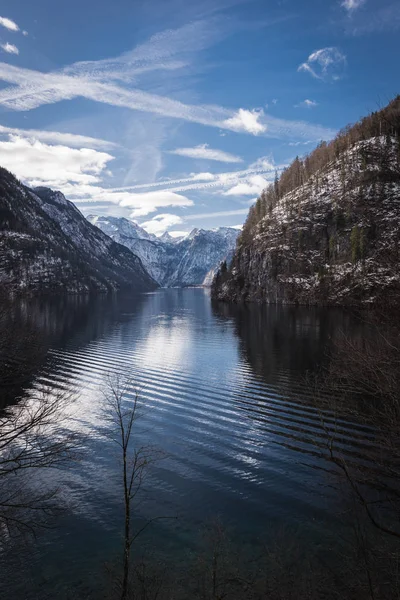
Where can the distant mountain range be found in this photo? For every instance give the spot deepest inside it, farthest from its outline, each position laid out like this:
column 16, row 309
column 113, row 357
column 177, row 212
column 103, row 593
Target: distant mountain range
column 328, row 230
column 173, row 262
column 47, row 245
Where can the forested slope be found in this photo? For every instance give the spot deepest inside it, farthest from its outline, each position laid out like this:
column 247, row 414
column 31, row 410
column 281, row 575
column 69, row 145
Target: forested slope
column 328, row 230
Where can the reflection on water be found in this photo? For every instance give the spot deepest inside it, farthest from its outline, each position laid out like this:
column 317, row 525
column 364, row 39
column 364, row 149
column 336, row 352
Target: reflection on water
column 227, row 403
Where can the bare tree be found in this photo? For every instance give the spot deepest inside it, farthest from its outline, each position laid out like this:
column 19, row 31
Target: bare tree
column 123, row 407
column 32, row 438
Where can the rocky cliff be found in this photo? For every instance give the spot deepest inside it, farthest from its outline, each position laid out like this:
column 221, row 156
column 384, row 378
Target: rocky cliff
column 328, row 231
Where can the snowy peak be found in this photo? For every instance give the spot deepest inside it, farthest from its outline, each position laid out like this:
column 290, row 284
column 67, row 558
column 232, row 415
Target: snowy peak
column 173, row 262
column 120, row 226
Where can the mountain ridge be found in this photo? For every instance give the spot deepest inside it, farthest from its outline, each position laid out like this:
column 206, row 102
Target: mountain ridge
column 173, row 262
column 46, row 245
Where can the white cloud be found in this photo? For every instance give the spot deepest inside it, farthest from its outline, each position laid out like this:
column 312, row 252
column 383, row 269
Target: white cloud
column 8, row 24
column 178, row 234
column 325, row 64
column 203, row 151
column 264, row 163
column 161, row 223
column 351, row 5
column 9, row 48
column 306, row 104
column 57, row 137
column 202, row 177
column 246, row 121
column 148, row 202
column 254, row 186
column 36, row 162
column 142, row 204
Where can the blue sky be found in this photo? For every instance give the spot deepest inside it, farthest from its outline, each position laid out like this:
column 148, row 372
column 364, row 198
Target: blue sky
column 177, row 113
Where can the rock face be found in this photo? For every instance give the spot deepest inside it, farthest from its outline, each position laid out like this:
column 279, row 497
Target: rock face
column 173, row 262
column 335, row 238
column 47, row 245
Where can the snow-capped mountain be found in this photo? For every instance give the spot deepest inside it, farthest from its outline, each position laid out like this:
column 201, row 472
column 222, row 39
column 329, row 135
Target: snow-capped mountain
column 47, row 245
column 201, row 251
column 328, row 231
column 170, row 261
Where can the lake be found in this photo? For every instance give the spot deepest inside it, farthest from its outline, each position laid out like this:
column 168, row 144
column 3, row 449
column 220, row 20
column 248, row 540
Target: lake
column 227, row 404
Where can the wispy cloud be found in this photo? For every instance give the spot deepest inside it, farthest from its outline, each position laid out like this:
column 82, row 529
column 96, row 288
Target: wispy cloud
column 206, row 181
column 8, row 24
column 306, row 143
column 306, row 104
column 326, row 64
column 203, row 151
column 9, row 48
column 114, row 82
column 150, row 200
column 160, row 52
column 57, row 137
column 352, row 5
column 224, row 213
column 386, row 18
column 33, row 89
column 142, row 204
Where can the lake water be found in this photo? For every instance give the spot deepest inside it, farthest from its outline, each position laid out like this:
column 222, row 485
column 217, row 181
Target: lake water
column 227, row 403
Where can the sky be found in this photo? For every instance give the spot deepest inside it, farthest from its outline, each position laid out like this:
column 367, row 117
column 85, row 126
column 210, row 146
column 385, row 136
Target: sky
column 177, row 113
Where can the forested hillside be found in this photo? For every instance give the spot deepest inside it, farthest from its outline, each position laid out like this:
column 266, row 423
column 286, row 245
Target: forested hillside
column 327, row 231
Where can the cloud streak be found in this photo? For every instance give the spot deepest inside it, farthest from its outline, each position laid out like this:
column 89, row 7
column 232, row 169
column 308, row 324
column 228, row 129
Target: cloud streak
column 224, row 213
column 204, row 152
column 58, row 137
column 114, row 82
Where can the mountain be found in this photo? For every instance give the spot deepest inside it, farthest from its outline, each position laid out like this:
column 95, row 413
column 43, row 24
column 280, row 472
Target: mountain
column 47, row 245
column 201, row 251
column 120, row 227
column 328, row 230
column 172, row 262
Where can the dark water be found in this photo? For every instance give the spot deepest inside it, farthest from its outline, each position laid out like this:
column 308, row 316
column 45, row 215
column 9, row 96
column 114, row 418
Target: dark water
column 227, row 403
